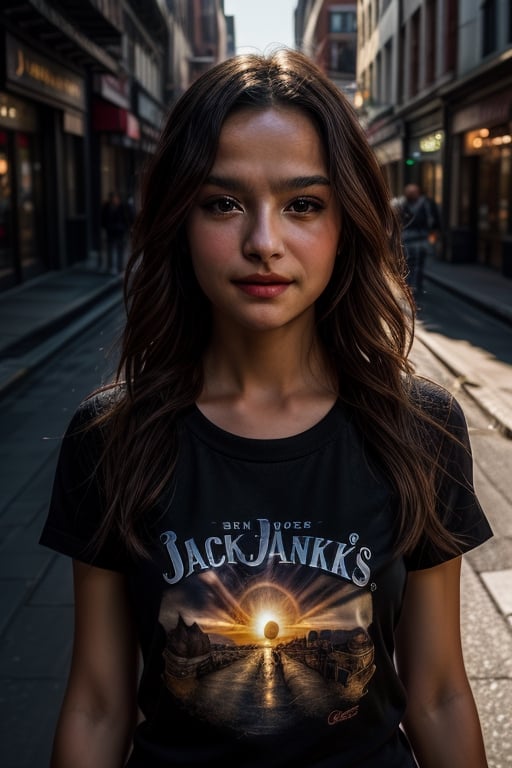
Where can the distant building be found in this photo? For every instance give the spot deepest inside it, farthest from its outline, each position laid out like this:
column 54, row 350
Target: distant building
column 435, row 95
column 84, row 89
column 326, row 31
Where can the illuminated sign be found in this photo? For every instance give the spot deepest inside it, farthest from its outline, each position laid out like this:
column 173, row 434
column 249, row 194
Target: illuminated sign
column 431, row 143
column 43, row 77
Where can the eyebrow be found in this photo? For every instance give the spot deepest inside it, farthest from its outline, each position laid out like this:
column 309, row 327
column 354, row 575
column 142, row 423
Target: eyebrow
column 298, row 182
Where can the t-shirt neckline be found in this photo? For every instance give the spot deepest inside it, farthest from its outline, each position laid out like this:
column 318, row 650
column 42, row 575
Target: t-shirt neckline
column 267, row 449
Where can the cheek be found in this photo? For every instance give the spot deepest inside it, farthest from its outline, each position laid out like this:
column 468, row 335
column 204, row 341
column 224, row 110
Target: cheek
column 207, row 249
column 210, row 261
column 324, row 253
column 325, row 271
column 210, row 245
column 208, row 258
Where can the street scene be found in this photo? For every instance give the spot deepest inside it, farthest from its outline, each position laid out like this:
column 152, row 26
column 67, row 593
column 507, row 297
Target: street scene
column 84, row 93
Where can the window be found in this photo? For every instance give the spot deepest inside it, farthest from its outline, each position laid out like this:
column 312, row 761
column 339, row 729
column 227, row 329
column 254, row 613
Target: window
column 489, row 27
column 208, row 28
column 343, row 56
column 449, row 27
column 431, row 48
column 401, row 66
column 379, row 85
column 387, row 72
column 342, row 22
column 414, row 55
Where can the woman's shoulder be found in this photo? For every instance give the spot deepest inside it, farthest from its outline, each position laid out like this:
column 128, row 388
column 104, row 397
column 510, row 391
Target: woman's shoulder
column 97, row 405
column 436, row 402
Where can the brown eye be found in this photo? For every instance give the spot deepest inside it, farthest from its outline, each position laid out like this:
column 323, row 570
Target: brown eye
column 225, row 205
column 304, row 205
column 222, row 205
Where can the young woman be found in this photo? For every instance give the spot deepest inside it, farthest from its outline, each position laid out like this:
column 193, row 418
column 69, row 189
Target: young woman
column 268, row 502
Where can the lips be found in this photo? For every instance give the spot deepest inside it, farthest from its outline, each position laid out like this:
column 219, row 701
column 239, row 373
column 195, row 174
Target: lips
column 263, row 286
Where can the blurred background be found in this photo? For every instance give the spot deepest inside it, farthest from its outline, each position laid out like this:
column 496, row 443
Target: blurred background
column 86, row 84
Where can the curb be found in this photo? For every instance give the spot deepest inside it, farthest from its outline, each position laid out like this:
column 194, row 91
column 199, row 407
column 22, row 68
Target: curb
column 482, row 393
column 14, row 369
column 502, row 313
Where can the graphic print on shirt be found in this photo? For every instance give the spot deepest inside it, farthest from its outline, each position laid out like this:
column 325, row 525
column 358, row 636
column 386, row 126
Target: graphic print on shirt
column 267, row 627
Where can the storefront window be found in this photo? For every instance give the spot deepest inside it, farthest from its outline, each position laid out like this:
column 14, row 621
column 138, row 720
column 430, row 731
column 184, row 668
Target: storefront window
column 26, row 197
column 505, row 192
column 74, row 170
column 431, row 180
column 487, row 152
column 74, row 175
column 20, row 196
column 6, row 252
column 468, row 185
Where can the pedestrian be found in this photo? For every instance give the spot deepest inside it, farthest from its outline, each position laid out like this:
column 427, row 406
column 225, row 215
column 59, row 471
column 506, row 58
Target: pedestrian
column 116, row 219
column 268, row 501
column 420, row 231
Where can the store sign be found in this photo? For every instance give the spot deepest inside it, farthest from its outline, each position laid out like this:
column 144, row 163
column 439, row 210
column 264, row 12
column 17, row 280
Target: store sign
column 132, row 127
column 114, row 89
column 431, row 143
column 73, row 122
column 45, row 79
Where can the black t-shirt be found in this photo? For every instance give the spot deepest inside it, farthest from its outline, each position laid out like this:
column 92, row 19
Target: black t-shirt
column 267, row 607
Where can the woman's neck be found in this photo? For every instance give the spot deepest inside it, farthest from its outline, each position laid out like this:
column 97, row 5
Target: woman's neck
column 264, row 386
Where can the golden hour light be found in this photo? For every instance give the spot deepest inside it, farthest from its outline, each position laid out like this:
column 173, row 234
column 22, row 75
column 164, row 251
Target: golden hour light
column 267, row 625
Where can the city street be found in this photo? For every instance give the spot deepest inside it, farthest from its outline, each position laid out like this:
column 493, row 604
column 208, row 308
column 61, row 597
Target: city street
column 93, row 95
column 36, row 595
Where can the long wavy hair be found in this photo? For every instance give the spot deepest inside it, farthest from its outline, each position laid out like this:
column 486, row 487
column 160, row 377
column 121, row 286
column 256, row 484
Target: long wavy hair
column 365, row 317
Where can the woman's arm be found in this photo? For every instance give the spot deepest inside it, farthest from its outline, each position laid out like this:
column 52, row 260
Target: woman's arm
column 99, row 709
column 441, row 720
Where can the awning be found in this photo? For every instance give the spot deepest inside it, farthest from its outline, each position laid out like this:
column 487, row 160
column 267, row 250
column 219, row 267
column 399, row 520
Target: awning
column 110, row 118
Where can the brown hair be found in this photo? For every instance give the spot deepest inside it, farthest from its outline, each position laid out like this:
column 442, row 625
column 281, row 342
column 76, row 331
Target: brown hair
column 360, row 317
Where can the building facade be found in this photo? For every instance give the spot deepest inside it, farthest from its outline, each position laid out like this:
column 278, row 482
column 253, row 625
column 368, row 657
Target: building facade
column 48, row 62
column 326, row 31
column 84, row 90
column 435, row 95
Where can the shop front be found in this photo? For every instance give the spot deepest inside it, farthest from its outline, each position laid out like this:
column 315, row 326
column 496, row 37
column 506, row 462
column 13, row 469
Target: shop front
column 42, row 195
column 116, row 140
column 482, row 190
column 387, row 144
column 424, row 154
column 20, row 191
column 151, row 116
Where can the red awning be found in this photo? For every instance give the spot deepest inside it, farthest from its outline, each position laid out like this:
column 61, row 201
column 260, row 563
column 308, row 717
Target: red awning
column 109, row 117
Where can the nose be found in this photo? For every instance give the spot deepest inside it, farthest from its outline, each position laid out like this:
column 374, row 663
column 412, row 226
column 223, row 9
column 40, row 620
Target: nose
column 263, row 237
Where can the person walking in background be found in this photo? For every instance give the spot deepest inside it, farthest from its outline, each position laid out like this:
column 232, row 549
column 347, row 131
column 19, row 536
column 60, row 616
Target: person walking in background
column 420, row 230
column 268, row 507
column 116, row 219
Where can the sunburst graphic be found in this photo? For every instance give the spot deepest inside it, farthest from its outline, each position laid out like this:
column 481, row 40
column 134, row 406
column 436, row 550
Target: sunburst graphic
column 271, row 630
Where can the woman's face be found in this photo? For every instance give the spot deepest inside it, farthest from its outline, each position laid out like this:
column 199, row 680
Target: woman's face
column 264, row 230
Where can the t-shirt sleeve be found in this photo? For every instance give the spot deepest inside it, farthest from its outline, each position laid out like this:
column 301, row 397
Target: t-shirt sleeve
column 457, row 504
column 77, row 502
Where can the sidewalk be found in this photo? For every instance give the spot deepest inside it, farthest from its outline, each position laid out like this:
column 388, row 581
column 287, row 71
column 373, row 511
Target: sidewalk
column 484, row 287
column 39, row 318
column 487, row 379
